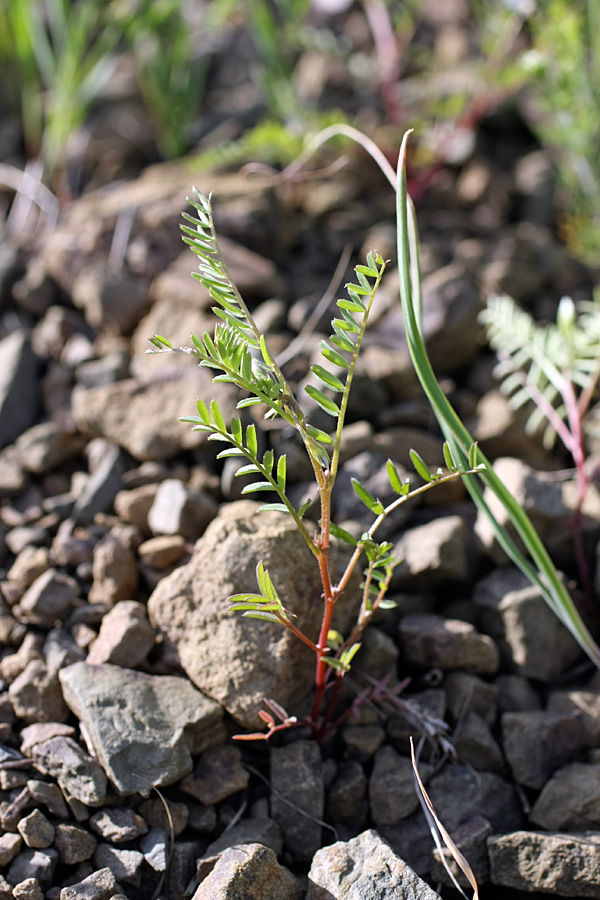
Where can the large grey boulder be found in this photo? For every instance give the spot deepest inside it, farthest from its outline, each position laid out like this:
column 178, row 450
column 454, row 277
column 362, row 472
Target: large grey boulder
column 143, row 728
column 235, row 660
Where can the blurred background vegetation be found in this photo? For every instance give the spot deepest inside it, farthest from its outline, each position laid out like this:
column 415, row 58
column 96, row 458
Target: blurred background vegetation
column 233, row 81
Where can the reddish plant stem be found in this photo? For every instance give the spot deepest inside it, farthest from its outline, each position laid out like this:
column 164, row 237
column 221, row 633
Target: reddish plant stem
column 328, row 603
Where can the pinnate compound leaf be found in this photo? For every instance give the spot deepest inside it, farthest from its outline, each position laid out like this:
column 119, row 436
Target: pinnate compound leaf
column 326, row 404
column 421, row 466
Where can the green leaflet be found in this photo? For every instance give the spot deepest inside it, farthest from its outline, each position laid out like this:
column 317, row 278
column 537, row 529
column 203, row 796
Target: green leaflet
column 324, row 402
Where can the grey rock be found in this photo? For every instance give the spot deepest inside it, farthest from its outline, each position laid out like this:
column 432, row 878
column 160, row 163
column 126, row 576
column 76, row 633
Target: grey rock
column 392, row 794
column 432, row 641
column 514, row 613
column 549, row 502
column 99, row 290
column 162, row 552
column 420, row 713
column 174, row 818
column 297, row 777
column 10, row 845
column 587, row 703
column 19, row 392
column 142, row 416
column 47, row 446
column 435, row 551
column 180, row 871
column 377, row 657
column 38, row 864
column 100, row 885
column 570, row 800
column 470, row 839
column 29, row 565
column 364, row 868
column 346, row 802
column 179, row 510
column 451, row 304
column 362, row 741
column 36, row 695
column 134, row 505
column 102, row 486
column 114, row 570
column 236, row 660
column 48, row 795
column 109, row 368
column 142, row 727
column 563, row 864
column 125, row 638
column 154, row 846
column 118, row 824
column 29, row 889
column 516, row 694
column 476, row 746
column 49, row 598
column 458, row 794
column 36, row 830
column 78, row 775
column 538, row 743
column 126, row 865
column 255, row 830
column 249, row 872
column 218, row 774
column 74, row 843
column 13, row 478
column 466, row 692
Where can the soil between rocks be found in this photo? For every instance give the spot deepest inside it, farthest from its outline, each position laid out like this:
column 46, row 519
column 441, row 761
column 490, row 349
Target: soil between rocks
column 108, row 502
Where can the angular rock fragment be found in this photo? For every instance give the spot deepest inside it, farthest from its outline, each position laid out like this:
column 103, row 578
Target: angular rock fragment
column 570, row 800
column 432, row 641
column 143, row 728
column 219, row 774
column 433, row 552
column 249, row 872
column 297, row 777
column 49, row 598
column 100, row 885
column 125, row 638
column 514, row 613
column 538, row 743
column 563, row 864
column 364, row 867
column 19, row 394
column 470, row 839
column 78, row 774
